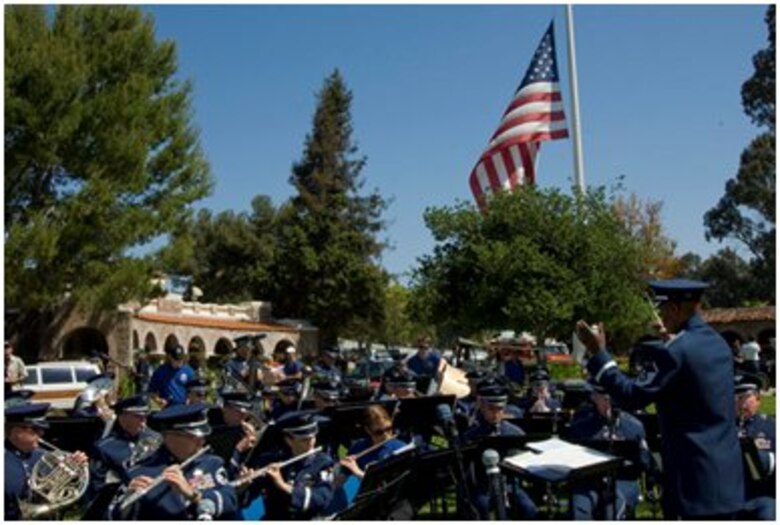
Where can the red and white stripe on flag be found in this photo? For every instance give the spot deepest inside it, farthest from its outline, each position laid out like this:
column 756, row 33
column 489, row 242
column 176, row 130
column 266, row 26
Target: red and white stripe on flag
column 535, row 114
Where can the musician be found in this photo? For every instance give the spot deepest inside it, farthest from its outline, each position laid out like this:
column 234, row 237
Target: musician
column 598, row 421
column 197, row 390
column 200, row 490
column 540, row 400
column 25, row 423
column 302, row 490
column 513, row 368
column 761, row 429
column 326, row 393
column 401, row 384
column 327, row 366
column 143, row 371
column 693, row 391
column 289, row 393
column 492, row 398
column 236, row 407
column 168, row 381
column 93, row 400
column 292, row 367
column 467, row 406
column 238, row 365
column 113, row 452
column 426, row 362
column 379, row 427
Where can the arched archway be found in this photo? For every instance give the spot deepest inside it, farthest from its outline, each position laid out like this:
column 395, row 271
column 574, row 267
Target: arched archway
column 136, row 340
column 281, row 348
column 150, row 342
column 83, row 342
column 223, row 347
column 170, row 342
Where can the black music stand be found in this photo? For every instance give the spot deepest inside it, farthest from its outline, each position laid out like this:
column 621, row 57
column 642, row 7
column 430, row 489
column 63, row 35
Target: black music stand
column 542, row 425
column 751, row 459
column 74, row 433
column 420, row 414
column 381, row 492
column 652, row 429
column 97, row 509
column 223, row 440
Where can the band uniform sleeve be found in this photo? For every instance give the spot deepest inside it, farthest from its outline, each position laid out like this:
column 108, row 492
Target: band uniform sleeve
column 634, row 394
column 222, row 494
column 313, row 499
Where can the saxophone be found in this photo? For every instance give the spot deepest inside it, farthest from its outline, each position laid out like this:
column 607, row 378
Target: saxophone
column 56, row 481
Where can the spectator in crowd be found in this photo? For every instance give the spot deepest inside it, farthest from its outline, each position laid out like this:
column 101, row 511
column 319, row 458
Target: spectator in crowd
column 15, row 372
column 169, row 382
column 143, row 371
column 750, row 356
column 292, row 367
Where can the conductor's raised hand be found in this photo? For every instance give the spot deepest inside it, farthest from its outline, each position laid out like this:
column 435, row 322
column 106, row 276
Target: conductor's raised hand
column 593, row 338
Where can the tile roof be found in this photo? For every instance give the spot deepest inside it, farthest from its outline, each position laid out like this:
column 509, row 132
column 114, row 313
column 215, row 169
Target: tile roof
column 739, row 315
column 206, row 322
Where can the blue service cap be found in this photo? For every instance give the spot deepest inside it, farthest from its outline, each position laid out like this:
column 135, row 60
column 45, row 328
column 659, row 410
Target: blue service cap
column 744, row 384
column 290, row 386
column 300, row 423
column 176, row 351
column 327, row 389
column 401, row 379
column 198, row 385
column 493, row 392
column 133, row 405
column 540, row 375
column 677, row 289
column 332, row 351
column 18, row 397
column 238, row 400
column 191, row 419
column 477, row 375
column 32, row 414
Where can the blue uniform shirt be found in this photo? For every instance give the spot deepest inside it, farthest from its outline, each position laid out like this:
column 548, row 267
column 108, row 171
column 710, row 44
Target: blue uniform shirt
column 693, row 388
column 331, row 372
column 761, row 428
column 482, row 429
column 383, row 452
column 170, row 383
column 292, row 368
column 18, row 467
column 427, row 366
column 515, row 371
column 110, row 455
column 238, row 367
column 164, row 502
column 312, row 493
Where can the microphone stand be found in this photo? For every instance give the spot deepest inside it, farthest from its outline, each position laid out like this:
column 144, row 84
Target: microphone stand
column 465, row 509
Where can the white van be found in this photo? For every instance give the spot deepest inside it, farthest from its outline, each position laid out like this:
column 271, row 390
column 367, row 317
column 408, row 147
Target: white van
column 59, row 382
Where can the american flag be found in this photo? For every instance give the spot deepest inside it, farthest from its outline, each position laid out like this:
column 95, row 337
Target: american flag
column 534, row 114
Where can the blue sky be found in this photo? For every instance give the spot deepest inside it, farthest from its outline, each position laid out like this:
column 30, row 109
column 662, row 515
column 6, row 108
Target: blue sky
column 659, row 96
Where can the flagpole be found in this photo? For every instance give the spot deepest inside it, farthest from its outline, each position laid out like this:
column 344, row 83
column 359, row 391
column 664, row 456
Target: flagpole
column 575, row 103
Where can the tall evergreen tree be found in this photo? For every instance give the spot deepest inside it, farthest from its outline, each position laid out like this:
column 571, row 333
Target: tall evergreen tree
column 327, row 268
column 100, row 153
column 746, row 212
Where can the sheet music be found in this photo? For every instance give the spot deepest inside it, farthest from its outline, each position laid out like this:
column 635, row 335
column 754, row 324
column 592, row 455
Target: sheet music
column 556, row 458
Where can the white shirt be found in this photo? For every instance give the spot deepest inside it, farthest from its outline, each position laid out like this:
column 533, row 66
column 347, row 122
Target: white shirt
column 750, row 351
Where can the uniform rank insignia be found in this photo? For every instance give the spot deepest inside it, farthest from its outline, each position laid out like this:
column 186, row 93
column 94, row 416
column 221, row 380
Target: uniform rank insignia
column 201, row 480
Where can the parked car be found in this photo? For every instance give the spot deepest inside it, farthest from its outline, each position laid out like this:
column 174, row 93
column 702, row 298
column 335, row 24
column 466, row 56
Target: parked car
column 557, row 353
column 59, row 382
column 371, row 370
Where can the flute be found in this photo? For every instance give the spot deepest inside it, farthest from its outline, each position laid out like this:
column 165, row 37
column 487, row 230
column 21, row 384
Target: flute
column 263, row 471
column 135, row 496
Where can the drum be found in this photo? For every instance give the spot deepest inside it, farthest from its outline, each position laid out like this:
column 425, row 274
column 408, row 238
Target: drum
column 454, row 382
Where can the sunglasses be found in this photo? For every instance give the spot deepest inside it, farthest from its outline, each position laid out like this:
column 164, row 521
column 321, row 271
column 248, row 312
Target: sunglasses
column 380, row 431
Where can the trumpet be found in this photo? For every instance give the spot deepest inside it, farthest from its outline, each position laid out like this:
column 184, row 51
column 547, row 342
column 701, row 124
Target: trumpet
column 263, row 471
column 135, row 496
column 57, row 480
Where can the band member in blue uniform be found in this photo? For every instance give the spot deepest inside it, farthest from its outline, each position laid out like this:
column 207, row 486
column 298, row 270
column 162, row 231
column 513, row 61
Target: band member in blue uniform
column 286, row 400
column 326, row 393
column 197, row 390
column 303, row 490
column 168, row 381
column 467, row 406
column 693, row 389
column 540, row 399
column 379, row 426
column 602, row 421
column 401, row 384
column 110, row 459
column 327, row 367
column 760, row 428
column 238, row 365
column 25, row 423
column 492, row 398
column 199, row 491
column 236, row 407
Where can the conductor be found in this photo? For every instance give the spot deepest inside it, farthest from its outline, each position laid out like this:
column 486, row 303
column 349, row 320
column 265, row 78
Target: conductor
column 693, row 389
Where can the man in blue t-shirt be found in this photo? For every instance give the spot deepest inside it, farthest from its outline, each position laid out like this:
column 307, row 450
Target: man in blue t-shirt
column 292, row 367
column 426, row 362
column 169, row 381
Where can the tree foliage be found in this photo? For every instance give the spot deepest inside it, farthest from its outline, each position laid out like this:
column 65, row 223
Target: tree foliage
column 746, row 212
column 535, row 260
column 327, row 270
column 100, row 152
column 730, row 278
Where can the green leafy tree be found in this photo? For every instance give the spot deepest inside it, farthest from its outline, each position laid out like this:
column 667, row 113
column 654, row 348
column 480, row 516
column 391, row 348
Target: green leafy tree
column 100, row 153
column 536, row 260
column 746, row 212
column 730, row 278
column 327, row 267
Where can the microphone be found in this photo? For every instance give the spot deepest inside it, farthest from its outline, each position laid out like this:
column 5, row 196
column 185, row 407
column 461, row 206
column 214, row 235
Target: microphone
column 490, row 460
column 206, row 510
column 444, row 415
